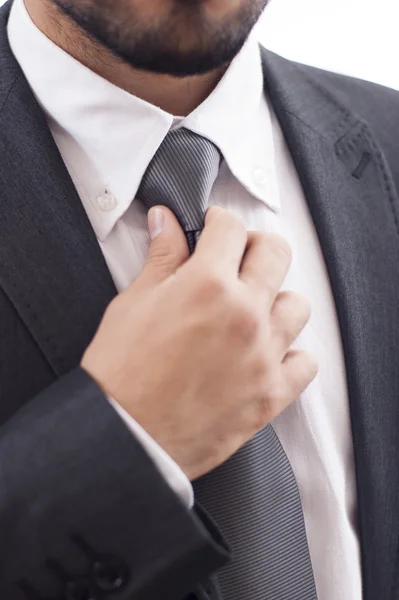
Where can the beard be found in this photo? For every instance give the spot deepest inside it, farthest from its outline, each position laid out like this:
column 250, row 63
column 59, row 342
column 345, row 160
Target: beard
column 184, row 40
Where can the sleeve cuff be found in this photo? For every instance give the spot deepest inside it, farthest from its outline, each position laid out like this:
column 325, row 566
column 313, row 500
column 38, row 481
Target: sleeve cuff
column 168, row 468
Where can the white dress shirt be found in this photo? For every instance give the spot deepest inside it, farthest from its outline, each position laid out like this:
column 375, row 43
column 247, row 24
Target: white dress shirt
column 107, row 138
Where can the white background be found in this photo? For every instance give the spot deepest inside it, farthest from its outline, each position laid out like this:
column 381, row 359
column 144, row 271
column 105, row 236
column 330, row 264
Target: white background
column 356, row 37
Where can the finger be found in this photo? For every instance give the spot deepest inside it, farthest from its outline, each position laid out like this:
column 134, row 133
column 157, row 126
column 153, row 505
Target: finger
column 168, row 250
column 299, row 369
column 289, row 315
column 266, row 263
column 222, row 242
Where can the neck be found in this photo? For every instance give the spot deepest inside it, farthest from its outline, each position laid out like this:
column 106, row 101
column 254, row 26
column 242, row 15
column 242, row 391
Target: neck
column 177, row 96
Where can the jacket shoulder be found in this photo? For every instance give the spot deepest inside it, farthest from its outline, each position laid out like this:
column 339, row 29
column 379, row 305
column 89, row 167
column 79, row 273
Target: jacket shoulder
column 374, row 103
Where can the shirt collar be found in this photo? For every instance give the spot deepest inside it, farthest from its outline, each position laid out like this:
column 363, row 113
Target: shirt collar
column 115, row 134
column 236, row 118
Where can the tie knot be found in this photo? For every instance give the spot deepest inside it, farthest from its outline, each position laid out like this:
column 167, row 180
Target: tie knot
column 180, row 176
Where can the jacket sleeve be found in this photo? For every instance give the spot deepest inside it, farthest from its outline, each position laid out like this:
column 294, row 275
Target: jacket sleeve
column 85, row 514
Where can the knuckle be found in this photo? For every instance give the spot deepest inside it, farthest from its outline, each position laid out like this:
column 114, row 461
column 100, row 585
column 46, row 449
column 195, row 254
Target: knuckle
column 244, row 321
column 302, row 305
column 311, row 367
column 240, row 226
column 304, row 370
column 225, row 217
column 292, row 308
column 257, row 237
column 236, row 228
column 210, row 287
column 280, row 247
column 231, row 218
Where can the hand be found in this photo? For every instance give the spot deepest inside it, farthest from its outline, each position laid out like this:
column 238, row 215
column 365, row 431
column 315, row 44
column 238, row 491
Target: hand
column 197, row 348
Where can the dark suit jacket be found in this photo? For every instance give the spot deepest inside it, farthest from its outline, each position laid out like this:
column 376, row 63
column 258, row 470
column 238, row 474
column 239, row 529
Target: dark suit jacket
column 81, row 505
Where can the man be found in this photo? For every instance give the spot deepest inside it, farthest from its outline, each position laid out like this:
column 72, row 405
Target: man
column 164, row 434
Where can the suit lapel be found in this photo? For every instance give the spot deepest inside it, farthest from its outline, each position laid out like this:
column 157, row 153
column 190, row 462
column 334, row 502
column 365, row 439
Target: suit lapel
column 352, row 200
column 52, row 268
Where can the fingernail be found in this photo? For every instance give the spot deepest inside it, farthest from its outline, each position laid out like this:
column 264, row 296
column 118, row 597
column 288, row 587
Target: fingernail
column 156, row 219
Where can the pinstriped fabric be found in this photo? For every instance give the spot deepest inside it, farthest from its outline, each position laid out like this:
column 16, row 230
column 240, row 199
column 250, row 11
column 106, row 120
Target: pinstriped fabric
column 181, row 176
column 253, row 496
column 254, row 499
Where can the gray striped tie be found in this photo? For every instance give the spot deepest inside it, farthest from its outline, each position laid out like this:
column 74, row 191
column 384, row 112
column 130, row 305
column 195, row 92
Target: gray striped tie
column 181, row 176
column 253, row 496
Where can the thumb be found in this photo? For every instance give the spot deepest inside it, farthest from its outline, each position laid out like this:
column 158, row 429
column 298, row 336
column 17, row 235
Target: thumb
column 168, row 250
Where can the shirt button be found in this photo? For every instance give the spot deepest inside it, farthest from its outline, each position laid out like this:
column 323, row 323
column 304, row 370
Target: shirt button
column 106, row 202
column 259, row 176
